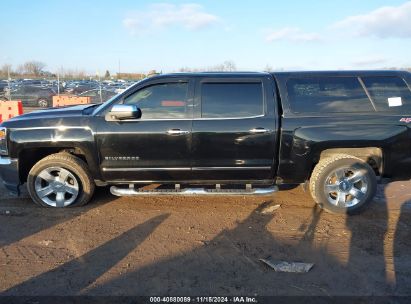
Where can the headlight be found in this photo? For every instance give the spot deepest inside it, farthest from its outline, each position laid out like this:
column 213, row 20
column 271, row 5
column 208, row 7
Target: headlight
column 3, row 141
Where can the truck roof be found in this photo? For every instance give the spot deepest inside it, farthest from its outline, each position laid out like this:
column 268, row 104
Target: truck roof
column 342, row 73
column 212, row 74
column 289, row 73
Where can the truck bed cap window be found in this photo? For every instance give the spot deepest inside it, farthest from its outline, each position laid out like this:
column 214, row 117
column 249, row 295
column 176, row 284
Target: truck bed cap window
column 327, row 95
column 388, row 93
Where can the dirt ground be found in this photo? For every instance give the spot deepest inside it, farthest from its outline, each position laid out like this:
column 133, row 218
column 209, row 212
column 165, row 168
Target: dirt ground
column 205, row 246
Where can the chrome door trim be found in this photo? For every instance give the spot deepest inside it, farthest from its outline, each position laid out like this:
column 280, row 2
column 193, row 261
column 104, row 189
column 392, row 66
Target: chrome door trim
column 185, row 169
column 146, row 169
column 231, row 168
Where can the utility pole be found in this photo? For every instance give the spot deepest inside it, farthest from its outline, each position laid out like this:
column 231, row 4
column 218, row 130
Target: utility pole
column 8, row 82
column 58, row 83
column 99, row 84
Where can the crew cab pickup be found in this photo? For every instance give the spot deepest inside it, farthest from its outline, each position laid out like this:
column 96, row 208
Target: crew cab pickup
column 337, row 133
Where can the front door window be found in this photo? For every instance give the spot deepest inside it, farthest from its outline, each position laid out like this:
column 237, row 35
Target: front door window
column 162, row 101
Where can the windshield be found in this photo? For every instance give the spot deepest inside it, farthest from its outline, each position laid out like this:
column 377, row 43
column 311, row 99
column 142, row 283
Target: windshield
column 89, row 110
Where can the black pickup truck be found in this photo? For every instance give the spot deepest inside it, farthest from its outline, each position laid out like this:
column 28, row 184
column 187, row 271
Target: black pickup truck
column 220, row 134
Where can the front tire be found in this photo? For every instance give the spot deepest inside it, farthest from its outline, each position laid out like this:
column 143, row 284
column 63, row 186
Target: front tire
column 60, row 180
column 343, row 184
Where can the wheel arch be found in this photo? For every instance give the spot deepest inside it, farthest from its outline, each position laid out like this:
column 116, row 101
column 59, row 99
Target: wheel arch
column 30, row 156
column 371, row 155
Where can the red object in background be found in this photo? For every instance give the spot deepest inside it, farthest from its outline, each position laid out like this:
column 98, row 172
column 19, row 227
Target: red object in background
column 9, row 109
column 70, row 100
column 173, row 103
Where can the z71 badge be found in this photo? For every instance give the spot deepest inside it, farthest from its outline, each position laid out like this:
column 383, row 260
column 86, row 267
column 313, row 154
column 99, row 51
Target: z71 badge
column 406, row 120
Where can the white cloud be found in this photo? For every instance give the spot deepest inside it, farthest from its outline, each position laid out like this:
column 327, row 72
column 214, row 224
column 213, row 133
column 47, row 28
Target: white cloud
column 294, row 34
column 384, row 22
column 162, row 15
column 370, row 61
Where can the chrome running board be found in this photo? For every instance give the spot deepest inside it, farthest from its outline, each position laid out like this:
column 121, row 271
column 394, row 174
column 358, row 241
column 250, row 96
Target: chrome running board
column 131, row 191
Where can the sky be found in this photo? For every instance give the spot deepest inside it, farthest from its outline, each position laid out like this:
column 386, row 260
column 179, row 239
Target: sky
column 96, row 36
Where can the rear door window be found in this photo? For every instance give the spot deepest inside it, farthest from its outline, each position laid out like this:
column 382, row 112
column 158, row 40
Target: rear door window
column 388, row 93
column 327, row 95
column 231, row 100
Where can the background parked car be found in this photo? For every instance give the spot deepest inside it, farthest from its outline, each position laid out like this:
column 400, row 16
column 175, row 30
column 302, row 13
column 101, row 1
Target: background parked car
column 80, row 87
column 31, row 96
column 98, row 96
column 33, row 82
column 3, row 85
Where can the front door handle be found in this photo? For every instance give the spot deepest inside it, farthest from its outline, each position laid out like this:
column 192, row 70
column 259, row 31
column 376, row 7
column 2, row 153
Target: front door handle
column 177, row 132
column 259, row 130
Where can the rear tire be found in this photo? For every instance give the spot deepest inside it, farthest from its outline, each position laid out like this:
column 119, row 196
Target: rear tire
column 343, row 184
column 60, row 180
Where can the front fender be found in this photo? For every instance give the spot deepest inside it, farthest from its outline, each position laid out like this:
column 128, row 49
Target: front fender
column 55, row 137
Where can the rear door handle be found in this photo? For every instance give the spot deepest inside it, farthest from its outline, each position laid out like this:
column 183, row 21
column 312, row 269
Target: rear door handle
column 260, row 130
column 177, row 132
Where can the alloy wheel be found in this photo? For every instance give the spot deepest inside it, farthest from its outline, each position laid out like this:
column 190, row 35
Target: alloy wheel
column 56, row 187
column 346, row 187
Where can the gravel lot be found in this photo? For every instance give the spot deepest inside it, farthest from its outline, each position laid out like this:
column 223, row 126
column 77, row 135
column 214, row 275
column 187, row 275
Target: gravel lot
column 204, row 246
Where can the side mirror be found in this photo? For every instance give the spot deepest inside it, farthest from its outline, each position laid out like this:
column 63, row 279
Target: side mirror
column 122, row 112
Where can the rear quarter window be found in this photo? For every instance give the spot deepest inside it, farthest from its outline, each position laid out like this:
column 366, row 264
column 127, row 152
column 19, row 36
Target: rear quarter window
column 390, row 94
column 327, row 95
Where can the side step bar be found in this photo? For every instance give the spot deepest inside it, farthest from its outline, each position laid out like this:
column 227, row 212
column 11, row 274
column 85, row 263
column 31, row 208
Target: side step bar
column 131, row 191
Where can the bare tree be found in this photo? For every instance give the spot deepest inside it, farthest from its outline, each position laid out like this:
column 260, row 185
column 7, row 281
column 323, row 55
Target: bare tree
column 229, row 66
column 72, row 73
column 226, row 66
column 187, row 69
column 217, row 68
column 268, row 68
column 33, row 68
column 6, row 70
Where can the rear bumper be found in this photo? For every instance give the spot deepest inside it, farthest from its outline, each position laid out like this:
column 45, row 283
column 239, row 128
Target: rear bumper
column 9, row 173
